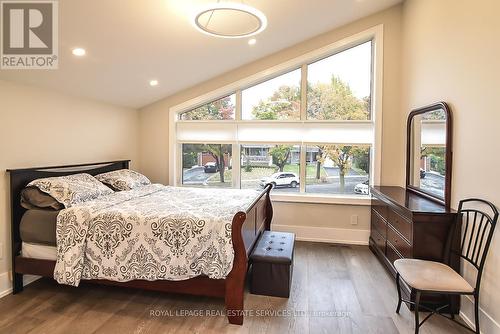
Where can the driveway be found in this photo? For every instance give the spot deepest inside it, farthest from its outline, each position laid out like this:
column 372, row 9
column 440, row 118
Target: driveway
column 195, row 175
column 433, row 182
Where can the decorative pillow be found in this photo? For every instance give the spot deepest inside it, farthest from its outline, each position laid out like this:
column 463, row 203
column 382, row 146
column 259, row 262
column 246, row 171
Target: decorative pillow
column 72, row 189
column 123, row 179
column 34, row 198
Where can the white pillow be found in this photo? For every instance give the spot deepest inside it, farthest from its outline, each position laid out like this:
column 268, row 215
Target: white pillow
column 123, row 179
column 72, row 189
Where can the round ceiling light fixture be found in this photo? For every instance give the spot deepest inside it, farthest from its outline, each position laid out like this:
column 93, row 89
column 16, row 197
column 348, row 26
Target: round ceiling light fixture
column 230, row 20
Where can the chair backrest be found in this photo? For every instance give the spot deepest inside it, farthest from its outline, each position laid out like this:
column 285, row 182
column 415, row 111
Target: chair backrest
column 477, row 229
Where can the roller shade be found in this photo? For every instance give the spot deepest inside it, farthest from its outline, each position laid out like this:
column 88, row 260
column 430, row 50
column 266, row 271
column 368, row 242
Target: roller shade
column 276, row 132
column 433, row 133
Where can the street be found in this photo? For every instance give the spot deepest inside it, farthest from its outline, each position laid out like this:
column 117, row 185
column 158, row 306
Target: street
column 433, row 183
column 197, row 176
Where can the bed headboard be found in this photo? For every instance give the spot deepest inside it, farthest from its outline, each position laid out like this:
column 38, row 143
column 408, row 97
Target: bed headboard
column 19, row 178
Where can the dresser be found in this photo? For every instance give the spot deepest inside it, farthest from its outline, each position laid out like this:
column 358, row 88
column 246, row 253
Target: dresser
column 407, row 225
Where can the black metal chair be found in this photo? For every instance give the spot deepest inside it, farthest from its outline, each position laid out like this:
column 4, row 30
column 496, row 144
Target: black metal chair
column 429, row 277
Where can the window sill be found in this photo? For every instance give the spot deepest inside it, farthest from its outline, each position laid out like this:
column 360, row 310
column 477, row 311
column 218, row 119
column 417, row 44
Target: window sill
column 321, row 199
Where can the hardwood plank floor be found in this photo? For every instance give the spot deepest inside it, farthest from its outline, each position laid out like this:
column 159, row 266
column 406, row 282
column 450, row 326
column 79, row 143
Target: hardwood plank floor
column 336, row 289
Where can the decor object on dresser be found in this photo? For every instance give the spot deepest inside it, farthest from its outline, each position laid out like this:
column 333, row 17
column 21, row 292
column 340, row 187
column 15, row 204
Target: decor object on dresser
column 415, row 222
column 429, row 277
column 272, row 264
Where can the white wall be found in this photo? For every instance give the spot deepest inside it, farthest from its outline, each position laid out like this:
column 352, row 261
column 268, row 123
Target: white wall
column 43, row 128
column 451, row 52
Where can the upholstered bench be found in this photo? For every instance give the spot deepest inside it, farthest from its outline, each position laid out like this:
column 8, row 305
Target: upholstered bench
column 272, row 264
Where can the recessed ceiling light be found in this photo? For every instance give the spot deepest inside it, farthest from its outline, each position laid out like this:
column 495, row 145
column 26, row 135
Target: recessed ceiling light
column 79, row 52
column 252, row 41
column 229, row 20
column 153, row 83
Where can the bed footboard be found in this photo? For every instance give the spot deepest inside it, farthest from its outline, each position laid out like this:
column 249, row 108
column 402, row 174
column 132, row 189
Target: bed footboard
column 246, row 229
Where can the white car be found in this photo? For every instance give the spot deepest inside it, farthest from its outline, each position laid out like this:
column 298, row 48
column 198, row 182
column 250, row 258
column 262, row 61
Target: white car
column 362, row 188
column 281, row 179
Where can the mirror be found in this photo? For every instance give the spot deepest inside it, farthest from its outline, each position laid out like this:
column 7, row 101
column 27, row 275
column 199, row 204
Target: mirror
column 428, row 156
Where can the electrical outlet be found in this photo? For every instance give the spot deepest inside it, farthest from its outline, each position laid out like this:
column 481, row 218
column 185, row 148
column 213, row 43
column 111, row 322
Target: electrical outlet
column 354, row 220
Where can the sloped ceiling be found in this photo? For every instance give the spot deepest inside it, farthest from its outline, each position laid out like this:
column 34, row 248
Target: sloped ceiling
column 130, row 42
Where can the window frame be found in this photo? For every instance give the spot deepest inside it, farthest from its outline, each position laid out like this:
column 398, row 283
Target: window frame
column 375, row 34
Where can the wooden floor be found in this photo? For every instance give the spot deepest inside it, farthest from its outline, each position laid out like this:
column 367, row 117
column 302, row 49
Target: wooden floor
column 336, row 289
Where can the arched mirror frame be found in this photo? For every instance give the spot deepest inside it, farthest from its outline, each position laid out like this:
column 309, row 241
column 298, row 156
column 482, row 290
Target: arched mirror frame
column 445, row 200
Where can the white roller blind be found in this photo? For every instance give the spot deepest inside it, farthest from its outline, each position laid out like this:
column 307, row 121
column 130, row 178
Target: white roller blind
column 276, row 132
column 433, row 133
column 339, row 133
column 206, row 132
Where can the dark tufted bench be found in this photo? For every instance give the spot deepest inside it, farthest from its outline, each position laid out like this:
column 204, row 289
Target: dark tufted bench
column 272, row 264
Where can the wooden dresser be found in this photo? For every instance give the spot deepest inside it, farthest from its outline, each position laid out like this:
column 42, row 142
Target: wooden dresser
column 407, row 225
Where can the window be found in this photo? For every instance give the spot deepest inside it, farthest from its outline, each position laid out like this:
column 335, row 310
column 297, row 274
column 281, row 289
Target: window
column 275, row 99
column 221, row 109
column 278, row 165
column 339, row 87
column 207, row 165
column 338, row 169
column 328, row 147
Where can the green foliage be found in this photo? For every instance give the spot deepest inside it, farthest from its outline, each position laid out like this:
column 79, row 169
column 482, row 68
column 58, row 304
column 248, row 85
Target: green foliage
column 437, row 158
column 435, row 115
column 283, row 104
column 361, row 158
column 280, row 155
column 189, row 159
column 190, row 154
column 335, row 101
column 344, row 156
column 221, row 109
column 332, row 101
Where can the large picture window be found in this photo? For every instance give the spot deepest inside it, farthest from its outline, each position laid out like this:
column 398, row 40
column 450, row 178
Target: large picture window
column 309, row 130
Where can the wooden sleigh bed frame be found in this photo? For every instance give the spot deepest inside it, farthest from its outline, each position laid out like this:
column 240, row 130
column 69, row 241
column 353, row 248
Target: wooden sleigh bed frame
column 246, row 229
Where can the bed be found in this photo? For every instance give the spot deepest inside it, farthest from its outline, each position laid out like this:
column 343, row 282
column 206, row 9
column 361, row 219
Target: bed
column 39, row 257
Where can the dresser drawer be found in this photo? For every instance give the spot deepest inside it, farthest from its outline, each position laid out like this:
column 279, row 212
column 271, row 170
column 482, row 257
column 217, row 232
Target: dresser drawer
column 400, row 224
column 379, row 224
column 392, row 254
column 398, row 242
column 379, row 240
column 380, row 207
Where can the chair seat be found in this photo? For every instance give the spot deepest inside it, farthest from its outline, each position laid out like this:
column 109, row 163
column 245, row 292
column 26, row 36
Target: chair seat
column 431, row 276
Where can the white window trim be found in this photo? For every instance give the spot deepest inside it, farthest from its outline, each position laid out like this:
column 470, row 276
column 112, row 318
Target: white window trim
column 376, row 34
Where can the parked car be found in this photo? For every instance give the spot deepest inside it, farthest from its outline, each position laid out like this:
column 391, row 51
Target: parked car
column 362, row 188
column 422, row 173
column 281, row 179
column 211, row 167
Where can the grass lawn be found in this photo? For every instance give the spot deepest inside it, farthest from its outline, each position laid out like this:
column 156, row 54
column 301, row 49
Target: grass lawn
column 310, row 170
column 258, row 173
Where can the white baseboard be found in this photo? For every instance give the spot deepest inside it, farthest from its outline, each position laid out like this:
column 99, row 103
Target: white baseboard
column 326, row 234
column 488, row 324
column 6, row 282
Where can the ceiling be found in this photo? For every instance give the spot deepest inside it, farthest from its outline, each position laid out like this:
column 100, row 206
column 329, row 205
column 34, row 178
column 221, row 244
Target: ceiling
column 131, row 42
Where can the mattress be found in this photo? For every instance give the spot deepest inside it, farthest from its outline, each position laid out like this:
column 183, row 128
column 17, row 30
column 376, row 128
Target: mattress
column 39, row 227
column 37, row 251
